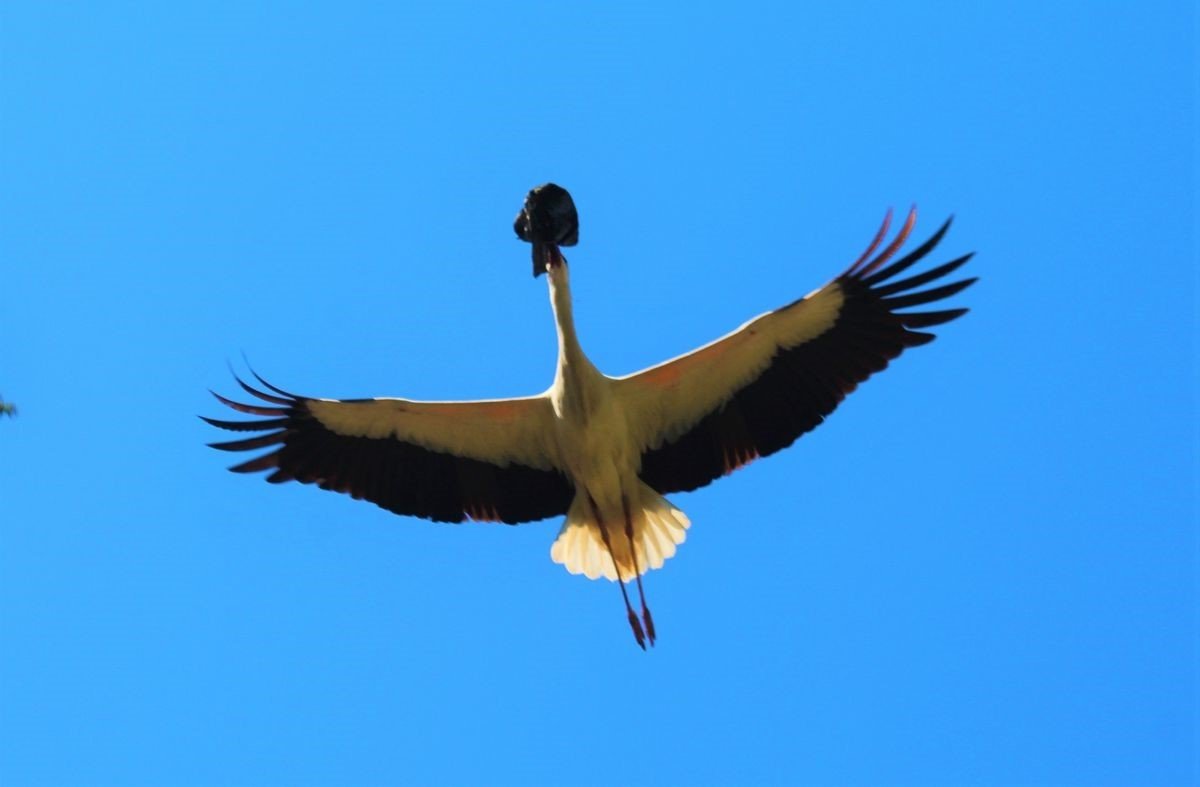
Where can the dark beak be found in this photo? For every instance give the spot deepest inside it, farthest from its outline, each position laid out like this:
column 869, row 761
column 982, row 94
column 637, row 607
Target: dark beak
column 545, row 257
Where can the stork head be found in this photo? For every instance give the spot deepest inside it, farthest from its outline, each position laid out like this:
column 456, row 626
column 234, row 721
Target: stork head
column 547, row 220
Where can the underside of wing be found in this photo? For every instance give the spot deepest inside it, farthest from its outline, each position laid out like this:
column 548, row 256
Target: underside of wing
column 445, row 461
column 757, row 390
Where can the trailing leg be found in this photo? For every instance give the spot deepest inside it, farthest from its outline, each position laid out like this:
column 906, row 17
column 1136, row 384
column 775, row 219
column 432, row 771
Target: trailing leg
column 638, row 571
column 634, row 623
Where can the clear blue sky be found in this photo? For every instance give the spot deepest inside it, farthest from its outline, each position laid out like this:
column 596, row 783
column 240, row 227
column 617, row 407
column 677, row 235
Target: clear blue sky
column 981, row 570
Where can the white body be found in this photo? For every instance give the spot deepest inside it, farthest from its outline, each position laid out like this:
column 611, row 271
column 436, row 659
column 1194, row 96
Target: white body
column 597, row 450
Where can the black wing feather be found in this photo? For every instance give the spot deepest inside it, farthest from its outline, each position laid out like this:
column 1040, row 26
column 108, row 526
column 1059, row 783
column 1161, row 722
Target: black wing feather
column 805, row 383
column 401, row 477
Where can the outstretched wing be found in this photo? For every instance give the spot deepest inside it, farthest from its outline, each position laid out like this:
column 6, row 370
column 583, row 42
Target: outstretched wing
column 754, row 391
column 447, row 461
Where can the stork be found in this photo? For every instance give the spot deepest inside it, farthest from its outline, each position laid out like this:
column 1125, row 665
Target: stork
column 604, row 450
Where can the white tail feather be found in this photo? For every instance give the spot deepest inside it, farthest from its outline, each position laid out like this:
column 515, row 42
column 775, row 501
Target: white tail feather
column 658, row 528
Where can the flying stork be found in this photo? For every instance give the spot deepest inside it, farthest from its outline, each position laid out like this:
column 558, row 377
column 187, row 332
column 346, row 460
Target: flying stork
column 604, row 450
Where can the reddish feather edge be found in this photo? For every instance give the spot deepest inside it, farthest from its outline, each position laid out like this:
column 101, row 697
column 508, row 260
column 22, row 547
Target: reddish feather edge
column 861, row 267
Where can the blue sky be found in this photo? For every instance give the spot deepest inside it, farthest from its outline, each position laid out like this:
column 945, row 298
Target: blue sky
column 981, row 570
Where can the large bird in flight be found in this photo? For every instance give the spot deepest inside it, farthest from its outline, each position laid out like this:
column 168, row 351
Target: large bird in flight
column 604, row 450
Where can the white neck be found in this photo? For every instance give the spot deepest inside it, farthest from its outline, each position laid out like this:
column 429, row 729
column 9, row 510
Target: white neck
column 569, row 351
column 575, row 377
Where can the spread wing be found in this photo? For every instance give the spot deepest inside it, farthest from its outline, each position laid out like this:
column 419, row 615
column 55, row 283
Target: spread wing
column 447, row 461
column 754, row 391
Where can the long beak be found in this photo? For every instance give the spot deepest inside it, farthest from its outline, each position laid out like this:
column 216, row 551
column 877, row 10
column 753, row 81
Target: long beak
column 545, row 256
